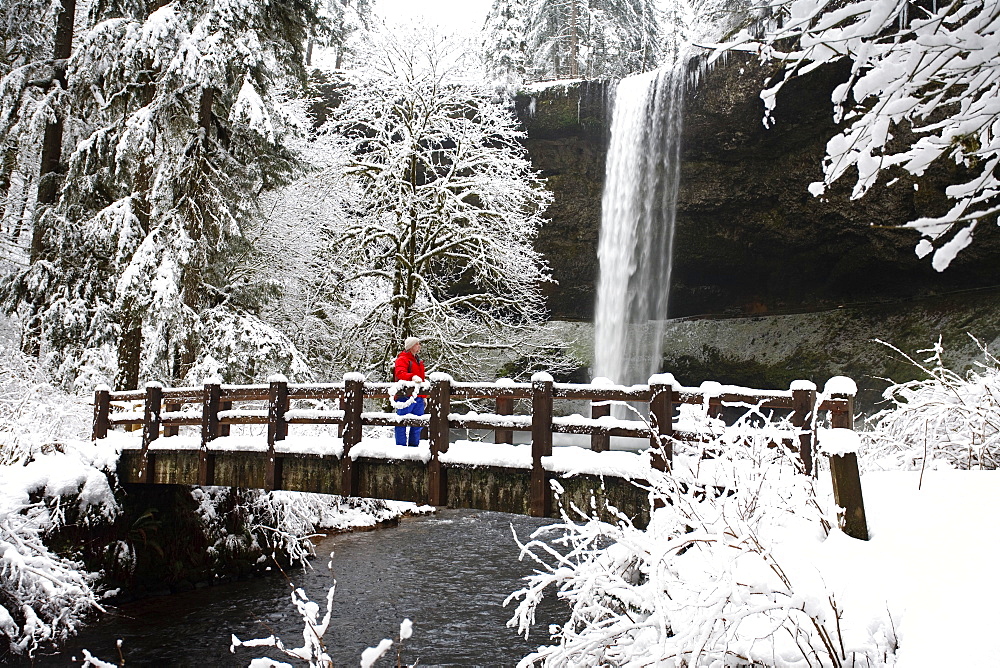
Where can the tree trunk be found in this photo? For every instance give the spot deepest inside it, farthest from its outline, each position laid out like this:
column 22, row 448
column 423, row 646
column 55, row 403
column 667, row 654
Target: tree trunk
column 191, row 282
column 48, row 174
column 129, row 356
column 574, row 40
column 130, row 343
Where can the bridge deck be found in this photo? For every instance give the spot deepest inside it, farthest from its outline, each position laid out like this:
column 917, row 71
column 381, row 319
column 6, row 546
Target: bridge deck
column 483, row 476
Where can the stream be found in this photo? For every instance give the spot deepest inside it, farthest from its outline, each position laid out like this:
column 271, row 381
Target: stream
column 448, row 572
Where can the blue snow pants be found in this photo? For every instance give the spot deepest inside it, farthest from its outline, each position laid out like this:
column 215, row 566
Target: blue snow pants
column 416, row 408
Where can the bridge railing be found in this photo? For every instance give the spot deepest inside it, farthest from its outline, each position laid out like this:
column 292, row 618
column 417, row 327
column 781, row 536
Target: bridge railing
column 221, row 406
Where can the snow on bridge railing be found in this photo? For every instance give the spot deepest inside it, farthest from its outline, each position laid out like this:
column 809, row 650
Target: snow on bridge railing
column 215, row 407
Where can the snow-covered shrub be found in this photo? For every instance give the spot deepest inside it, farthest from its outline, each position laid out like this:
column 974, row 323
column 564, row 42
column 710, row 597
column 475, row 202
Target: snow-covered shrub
column 723, row 575
column 943, row 419
column 281, row 523
column 45, row 596
column 49, row 477
column 314, row 629
column 33, row 414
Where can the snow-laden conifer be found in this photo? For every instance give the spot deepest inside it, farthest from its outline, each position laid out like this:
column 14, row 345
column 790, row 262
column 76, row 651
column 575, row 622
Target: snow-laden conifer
column 569, row 39
column 176, row 121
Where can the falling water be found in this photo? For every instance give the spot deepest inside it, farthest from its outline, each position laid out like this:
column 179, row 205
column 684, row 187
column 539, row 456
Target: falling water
column 637, row 225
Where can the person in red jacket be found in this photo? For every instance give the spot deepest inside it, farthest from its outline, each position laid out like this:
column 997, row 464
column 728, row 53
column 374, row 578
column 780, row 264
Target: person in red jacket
column 410, row 367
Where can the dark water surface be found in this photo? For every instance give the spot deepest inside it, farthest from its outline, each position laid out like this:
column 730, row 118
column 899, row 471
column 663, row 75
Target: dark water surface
column 448, row 572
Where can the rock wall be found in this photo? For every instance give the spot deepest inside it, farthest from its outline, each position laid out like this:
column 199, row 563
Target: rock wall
column 750, row 238
column 568, row 129
column 770, row 351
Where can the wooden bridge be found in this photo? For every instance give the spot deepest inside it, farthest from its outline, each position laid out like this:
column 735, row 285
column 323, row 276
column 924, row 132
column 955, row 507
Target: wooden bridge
column 209, row 455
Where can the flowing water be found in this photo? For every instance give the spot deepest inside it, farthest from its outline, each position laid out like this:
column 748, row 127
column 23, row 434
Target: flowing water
column 637, row 225
column 448, row 572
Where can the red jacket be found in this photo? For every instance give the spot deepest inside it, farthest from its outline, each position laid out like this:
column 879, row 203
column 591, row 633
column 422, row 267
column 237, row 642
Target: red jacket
column 409, row 365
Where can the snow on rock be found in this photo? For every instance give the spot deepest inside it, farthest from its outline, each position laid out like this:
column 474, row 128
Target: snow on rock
column 838, row 441
column 840, row 385
column 561, row 85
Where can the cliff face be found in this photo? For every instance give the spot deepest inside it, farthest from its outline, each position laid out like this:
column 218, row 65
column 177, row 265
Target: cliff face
column 750, row 238
column 568, row 129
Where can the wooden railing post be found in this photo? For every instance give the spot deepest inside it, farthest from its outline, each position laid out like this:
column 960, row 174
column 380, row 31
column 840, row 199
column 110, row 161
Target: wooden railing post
column 437, row 475
column 661, row 416
column 600, row 442
column 541, row 443
column 354, row 400
column 844, row 471
column 505, row 406
column 209, row 432
column 803, row 419
column 150, row 429
column 102, row 411
column 277, row 429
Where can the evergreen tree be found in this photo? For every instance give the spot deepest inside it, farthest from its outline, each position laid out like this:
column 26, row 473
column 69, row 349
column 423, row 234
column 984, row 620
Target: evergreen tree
column 593, row 39
column 505, row 42
column 177, row 124
column 344, row 21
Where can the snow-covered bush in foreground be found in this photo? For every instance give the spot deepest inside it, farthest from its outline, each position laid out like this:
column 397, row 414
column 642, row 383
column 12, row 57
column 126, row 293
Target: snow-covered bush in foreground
column 282, row 523
column 314, row 629
column 33, row 414
column 48, row 477
column 945, row 418
column 725, row 573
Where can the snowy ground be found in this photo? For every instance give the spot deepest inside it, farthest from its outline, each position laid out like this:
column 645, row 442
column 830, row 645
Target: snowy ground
column 931, row 562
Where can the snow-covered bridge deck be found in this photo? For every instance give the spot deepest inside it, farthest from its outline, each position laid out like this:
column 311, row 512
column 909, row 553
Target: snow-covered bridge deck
column 323, row 438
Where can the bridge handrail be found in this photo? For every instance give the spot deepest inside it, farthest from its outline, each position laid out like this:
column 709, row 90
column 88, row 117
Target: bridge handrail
column 162, row 409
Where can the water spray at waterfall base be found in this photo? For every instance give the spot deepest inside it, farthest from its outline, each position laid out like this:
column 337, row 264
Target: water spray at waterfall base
column 637, row 225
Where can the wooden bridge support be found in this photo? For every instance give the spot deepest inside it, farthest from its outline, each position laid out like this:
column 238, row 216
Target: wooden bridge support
column 600, row 442
column 804, row 419
column 847, row 477
column 661, row 416
column 541, row 443
column 440, row 406
column 209, row 432
column 354, row 404
column 504, row 406
column 102, row 412
column 277, row 430
column 150, row 429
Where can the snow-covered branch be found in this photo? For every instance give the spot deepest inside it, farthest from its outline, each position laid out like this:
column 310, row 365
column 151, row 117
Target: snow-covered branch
column 924, row 87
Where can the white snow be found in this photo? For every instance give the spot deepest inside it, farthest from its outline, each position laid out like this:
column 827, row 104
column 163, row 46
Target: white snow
column 838, row 441
column 929, row 565
column 840, row 385
column 806, row 385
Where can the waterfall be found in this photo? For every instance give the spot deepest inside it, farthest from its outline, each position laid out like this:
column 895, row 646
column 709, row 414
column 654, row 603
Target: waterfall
column 637, row 225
